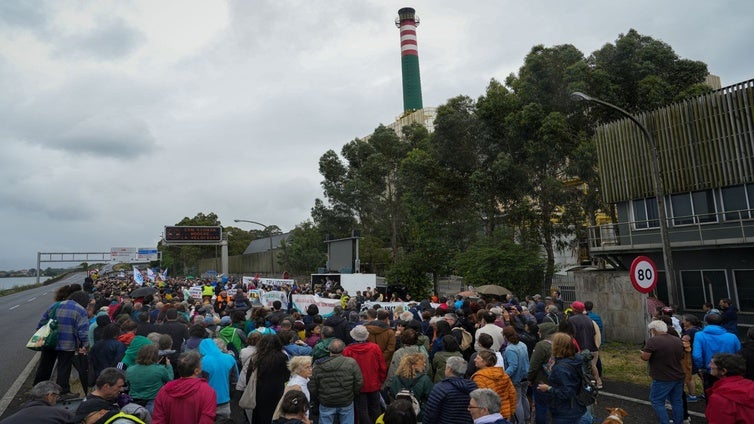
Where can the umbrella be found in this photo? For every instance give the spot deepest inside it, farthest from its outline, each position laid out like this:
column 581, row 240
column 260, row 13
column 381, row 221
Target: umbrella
column 493, row 290
column 469, row 293
column 143, row 291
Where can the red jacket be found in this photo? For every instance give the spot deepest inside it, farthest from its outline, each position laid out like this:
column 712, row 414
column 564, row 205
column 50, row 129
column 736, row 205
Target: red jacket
column 730, row 401
column 373, row 369
column 186, row 400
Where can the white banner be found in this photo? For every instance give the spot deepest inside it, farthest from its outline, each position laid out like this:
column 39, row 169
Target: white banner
column 325, row 305
column 275, row 282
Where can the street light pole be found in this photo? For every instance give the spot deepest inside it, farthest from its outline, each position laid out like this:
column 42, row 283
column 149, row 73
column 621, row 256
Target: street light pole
column 272, row 256
column 659, row 188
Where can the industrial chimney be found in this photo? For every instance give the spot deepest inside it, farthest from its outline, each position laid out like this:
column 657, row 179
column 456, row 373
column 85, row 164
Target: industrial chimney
column 407, row 21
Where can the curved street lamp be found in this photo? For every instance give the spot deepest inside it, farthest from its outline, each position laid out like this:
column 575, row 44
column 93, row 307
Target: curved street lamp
column 272, row 256
column 659, row 188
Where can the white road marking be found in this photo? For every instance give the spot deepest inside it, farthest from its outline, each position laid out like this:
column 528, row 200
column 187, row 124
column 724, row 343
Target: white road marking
column 14, row 307
column 31, row 300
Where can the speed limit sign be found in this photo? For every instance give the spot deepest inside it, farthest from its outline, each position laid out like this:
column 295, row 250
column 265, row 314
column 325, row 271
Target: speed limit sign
column 643, row 274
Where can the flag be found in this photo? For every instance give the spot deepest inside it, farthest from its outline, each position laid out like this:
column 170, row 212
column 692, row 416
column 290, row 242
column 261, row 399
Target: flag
column 165, row 275
column 150, row 274
column 138, row 278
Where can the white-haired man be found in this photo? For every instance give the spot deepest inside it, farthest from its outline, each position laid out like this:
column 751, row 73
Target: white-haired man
column 664, row 352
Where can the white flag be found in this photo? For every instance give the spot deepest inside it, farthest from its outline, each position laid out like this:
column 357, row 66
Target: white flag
column 138, row 278
column 150, row 275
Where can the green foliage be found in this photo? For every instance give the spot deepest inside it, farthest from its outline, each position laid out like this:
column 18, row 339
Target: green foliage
column 305, row 250
column 499, row 260
column 408, row 272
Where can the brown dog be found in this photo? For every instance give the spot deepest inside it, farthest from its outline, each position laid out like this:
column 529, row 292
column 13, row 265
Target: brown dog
column 616, row 416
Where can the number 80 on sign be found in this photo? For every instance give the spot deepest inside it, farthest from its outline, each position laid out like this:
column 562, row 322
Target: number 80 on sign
column 643, row 274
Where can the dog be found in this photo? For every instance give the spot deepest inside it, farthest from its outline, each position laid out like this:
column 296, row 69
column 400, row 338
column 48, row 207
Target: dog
column 616, row 416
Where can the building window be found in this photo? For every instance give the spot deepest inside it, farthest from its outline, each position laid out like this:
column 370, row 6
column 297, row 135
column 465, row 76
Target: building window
column 683, row 214
column 693, row 289
column 745, row 289
column 704, row 206
column 735, row 203
column 645, row 213
column 699, row 286
column 693, row 208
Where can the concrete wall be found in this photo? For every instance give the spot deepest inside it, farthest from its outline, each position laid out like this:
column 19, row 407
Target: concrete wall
column 616, row 301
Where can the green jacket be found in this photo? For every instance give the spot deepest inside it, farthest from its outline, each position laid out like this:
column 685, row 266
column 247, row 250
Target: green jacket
column 335, row 381
column 320, row 348
column 420, row 386
column 438, row 363
column 146, row 380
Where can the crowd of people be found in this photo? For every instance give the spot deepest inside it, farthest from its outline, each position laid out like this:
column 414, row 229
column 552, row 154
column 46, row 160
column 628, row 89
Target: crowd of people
column 162, row 356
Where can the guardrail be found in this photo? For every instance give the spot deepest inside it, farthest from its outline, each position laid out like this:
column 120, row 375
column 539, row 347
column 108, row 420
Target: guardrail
column 722, row 228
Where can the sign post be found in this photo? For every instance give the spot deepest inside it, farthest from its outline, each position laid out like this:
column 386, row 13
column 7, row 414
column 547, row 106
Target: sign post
column 644, row 278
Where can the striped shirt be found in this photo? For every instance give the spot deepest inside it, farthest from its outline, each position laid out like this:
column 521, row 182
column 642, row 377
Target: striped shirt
column 73, row 324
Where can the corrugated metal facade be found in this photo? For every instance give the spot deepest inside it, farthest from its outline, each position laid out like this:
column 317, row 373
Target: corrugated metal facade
column 703, row 143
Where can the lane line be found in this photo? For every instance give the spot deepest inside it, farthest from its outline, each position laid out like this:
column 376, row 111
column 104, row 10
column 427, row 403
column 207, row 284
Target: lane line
column 16, row 386
column 645, row 402
column 31, row 300
column 13, row 307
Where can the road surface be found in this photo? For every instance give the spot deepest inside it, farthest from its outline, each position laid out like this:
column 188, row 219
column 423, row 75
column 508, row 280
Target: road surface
column 19, row 313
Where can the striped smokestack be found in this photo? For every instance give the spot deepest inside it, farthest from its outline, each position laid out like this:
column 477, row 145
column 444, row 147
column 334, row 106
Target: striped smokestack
column 407, row 21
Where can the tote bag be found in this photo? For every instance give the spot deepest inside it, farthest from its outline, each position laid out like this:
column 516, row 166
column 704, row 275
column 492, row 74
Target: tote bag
column 46, row 337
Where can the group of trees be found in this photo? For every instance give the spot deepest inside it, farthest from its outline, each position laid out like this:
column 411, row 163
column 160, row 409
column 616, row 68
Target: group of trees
column 502, row 182
column 504, row 179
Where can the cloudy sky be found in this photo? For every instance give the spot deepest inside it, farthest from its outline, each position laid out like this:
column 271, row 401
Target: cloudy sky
column 119, row 118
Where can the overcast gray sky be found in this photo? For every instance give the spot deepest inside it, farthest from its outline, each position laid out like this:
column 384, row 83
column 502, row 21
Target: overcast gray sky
column 119, row 118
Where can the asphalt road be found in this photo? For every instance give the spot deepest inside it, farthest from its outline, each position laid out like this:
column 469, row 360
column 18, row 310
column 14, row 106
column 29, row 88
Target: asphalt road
column 19, row 314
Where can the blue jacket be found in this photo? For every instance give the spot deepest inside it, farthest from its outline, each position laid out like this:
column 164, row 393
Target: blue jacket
column 711, row 340
column 517, row 361
column 565, row 381
column 221, row 368
column 448, row 402
column 297, row 350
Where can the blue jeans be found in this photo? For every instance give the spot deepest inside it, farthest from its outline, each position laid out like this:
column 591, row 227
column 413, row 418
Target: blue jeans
column 327, row 414
column 673, row 392
column 541, row 402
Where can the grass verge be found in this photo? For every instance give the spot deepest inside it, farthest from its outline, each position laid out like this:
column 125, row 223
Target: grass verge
column 622, row 362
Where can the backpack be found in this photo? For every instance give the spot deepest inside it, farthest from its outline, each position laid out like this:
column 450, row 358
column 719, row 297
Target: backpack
column 467, row 340
column 588, row 391
column 408, row 395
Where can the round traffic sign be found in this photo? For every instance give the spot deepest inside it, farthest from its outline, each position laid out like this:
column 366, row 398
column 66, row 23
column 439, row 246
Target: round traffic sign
column 643, row 274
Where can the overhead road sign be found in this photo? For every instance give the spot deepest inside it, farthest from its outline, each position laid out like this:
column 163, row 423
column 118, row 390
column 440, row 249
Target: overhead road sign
column 193, row 235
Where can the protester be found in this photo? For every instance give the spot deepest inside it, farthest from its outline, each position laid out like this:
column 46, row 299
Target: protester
column 664, row 352
column 410, row 376
column 517, row 367
column 148, row 375
column 564, row 381
column 731, row 397
column 40, row 409
column 189, row 399
column 271, row 364
column 373, row 371
column 336, row 381
column 73, row 336
column 449, row 400
column 293, row 408
column 489, row 376
column 222, row 373
column 711, row 340
column 484, row 407
column 105, row 396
